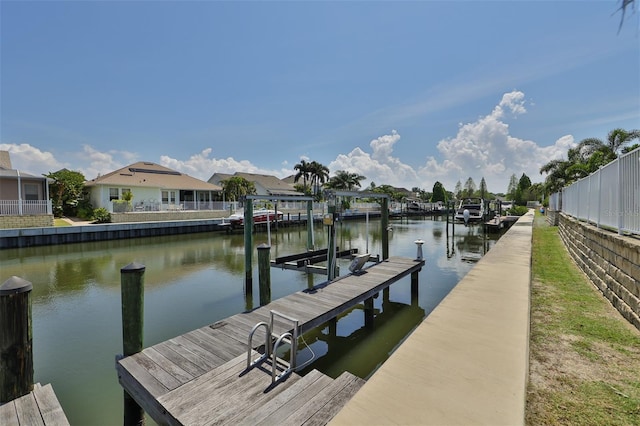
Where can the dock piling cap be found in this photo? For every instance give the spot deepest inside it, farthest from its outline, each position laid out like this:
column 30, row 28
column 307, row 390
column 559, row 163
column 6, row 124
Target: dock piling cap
column 133, row 267
column 15, row 285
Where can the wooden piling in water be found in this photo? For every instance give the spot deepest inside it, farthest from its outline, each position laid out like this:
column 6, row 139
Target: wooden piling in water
column 132, row 291
column 16, row 339
column 385, row 228
column 414, row 288
column 368, row 313
column 248, row 246
column 264, row 273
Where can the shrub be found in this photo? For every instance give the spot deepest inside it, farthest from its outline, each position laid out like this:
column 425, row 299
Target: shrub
column 517, row 210
column 121, row 206
column 101, row 215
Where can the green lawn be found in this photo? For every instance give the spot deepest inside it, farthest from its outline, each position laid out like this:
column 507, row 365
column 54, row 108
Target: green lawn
column 584, row 356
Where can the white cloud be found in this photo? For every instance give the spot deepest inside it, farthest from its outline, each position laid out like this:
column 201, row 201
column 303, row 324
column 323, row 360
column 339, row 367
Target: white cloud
column 31, row 160
column 202, row 167
column 94, row 163
column 378, row 166
column 485, row 148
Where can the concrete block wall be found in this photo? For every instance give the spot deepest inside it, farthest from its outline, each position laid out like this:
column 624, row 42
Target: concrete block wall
column 26, row 221
column 166, row 216
column 611, row 261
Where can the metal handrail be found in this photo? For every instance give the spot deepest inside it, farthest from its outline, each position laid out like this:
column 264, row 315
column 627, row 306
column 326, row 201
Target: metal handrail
column 286, row 337
column 267, row 344
column 271, row 350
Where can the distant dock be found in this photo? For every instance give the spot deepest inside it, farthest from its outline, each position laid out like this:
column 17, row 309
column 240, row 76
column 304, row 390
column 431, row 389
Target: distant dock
column 200, row 377
column 499, row 223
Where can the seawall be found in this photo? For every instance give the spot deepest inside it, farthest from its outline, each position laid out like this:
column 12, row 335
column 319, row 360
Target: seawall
column 29, row 237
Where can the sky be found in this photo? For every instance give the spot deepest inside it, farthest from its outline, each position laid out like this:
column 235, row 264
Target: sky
column 403, row 93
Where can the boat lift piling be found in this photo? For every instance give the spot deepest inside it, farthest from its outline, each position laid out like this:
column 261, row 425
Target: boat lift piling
column 248, row 231
column 332, row 254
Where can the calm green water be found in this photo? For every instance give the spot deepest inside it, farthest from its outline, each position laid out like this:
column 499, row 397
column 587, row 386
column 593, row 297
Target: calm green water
column 196, row 279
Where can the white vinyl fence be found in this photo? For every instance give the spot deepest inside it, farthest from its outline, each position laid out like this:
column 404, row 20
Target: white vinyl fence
column 25, row 207
column 609, row 197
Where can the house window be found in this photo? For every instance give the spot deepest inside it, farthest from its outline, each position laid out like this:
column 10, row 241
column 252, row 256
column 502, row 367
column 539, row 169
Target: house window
column 168, row 197
column 31, row 192
column 113, row 194
column 125, row 190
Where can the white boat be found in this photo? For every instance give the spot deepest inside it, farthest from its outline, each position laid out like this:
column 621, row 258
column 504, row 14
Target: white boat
column 259, row 216
column 470, row 210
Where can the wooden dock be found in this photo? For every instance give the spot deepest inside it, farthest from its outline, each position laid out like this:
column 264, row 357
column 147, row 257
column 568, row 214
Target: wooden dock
column 200, row 377
column 39, row 407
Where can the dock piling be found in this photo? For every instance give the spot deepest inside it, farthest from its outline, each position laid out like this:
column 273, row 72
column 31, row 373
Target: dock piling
column 264, row 273
column 16, row 339
column 132, row 291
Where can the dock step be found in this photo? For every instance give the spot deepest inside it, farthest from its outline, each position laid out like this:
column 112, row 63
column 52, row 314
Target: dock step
column 230, row 394
column 39, row 407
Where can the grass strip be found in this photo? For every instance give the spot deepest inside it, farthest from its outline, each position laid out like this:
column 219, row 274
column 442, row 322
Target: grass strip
column 584, row 356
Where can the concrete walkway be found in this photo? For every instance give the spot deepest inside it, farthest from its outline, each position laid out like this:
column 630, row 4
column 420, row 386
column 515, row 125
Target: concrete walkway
column 467, row 363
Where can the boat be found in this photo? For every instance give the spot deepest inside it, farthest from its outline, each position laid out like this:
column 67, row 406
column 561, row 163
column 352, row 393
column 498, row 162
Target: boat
column 470, row 210
column 259, row 216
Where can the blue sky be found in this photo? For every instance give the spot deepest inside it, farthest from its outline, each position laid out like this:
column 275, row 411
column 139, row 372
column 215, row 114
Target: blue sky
column 404, row 93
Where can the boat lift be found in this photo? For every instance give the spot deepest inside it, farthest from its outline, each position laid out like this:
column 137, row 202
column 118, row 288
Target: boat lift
column 329, row 220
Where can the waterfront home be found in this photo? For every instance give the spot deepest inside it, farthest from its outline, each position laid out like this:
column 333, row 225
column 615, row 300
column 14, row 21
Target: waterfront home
column 24, row 198
column 153, row 187
column 265, row 184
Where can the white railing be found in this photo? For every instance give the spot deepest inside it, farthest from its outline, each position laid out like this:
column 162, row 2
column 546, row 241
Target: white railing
column 609, row 197
column 25, row 207
column 287, row 206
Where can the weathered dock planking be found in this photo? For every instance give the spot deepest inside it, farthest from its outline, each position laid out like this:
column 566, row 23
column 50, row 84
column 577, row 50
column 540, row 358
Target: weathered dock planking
column 39, row 407
column 199, row 377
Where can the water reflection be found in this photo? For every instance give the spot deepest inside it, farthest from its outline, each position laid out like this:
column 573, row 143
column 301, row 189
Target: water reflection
column 197, row 279
column 349, row 345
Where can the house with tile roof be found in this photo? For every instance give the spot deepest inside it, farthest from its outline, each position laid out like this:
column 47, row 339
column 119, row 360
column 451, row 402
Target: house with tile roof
column 24, row 198
column 265, row 184
column 153, row 187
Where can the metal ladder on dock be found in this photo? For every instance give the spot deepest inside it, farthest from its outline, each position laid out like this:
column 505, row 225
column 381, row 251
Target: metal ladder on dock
column 271, row 348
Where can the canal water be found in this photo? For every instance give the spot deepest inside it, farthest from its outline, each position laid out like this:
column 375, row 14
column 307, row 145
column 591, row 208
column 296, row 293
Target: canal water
column 196, row 279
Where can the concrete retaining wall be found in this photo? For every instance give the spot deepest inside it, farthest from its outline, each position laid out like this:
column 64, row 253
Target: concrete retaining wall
column 168, row 216
column 26, row 221
column 611, row 261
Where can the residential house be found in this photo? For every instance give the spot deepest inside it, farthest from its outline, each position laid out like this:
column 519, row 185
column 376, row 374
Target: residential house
column 265, row 184
column 24, row 198
column 154, row 188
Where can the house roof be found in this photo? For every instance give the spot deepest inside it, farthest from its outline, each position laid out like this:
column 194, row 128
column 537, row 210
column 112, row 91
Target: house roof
column 151, row 175
column 6, row 170
column 270, row 183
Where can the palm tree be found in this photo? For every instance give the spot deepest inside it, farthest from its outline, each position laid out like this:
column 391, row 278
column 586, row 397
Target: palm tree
column 345, row 180
column 304, row 172
column 237, row 186
column 587, row 157
column 556, row 175
column 617, row 138
column 319, row 174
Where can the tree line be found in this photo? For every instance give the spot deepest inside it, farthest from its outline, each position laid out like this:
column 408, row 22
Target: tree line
column 70, row 198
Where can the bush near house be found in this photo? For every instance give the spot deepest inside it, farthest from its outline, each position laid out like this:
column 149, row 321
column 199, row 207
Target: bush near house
column 101, row 215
